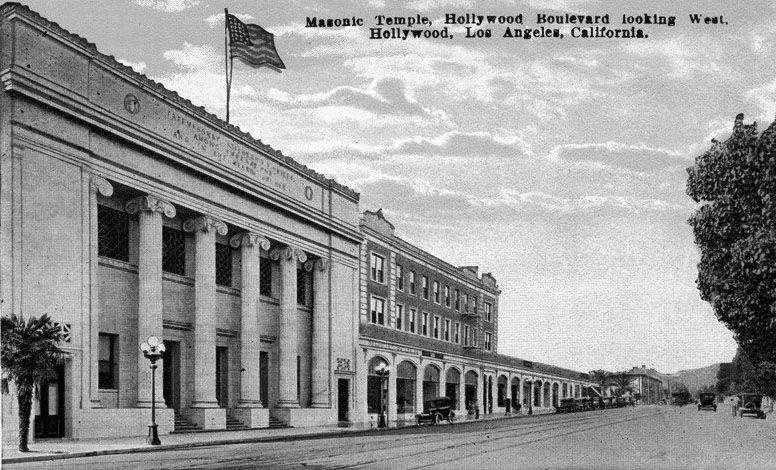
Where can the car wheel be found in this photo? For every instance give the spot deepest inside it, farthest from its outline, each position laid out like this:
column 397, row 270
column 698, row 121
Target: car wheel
column 437, row 418
column 451, row 417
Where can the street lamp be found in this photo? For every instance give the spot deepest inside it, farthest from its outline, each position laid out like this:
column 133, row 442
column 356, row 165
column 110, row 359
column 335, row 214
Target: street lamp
column 382, row 371
column 531, row 397
column 153, row 349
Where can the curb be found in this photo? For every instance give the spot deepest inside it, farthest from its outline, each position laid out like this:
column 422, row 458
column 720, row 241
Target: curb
column 246, row 440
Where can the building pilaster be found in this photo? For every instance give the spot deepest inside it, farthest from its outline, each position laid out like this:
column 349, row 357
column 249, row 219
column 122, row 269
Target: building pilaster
column 320, row 357
column 149, row 210
column 97, row 185
column 287, row 327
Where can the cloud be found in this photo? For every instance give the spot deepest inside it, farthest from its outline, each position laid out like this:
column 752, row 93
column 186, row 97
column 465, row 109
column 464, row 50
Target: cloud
column 765, row 97
column 138, row 67
column 195, row 57
column 636, row 157
column 218, row 18
column 168, row 6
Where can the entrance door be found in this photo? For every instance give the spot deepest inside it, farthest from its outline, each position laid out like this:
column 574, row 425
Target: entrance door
column 264, row 378
column 343, row 399
column 49, row 415
column 172, row 375
column 222, row 376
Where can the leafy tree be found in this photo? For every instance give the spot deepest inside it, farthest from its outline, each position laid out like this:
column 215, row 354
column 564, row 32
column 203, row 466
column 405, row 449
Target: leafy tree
column 735, row 228
column 601, row 378
column 621, row 380
column 29, row 355
column 723, row 378
column 707, row 389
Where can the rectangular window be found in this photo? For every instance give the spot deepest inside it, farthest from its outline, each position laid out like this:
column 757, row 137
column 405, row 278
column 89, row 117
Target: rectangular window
column 411, row 321
column 457, row 333
column 425, row 287
column 457, row 299
column 378, row 311
column 474, row 303
column 466, row 303
column 265, row 273
column 488, row 338
column 436, row 291
column 474, row 337
column 447, row 296
column 488, row 311
column 173, row 251
column 223, row 265
column 399, row 277
column 412, row 282
column 107, row 362
column 303, row 281
column 447, row 330
column 378, row 268
column 399, row 316
column 466, row 335
column 112, row 233
column 424, row 325
column 436, row 327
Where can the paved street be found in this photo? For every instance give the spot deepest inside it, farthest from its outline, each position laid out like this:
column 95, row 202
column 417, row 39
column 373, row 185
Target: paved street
column 642, row 437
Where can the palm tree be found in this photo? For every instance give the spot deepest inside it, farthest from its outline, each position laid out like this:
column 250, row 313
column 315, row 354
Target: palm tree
column 601, row 378
column 622, row 380
column 30, row 354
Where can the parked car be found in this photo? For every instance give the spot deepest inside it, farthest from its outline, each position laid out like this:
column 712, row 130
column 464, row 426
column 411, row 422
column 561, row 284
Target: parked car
column 750, row 404
column 566, row 405
column 580, row 404
column 435, row 411
column 708, row 401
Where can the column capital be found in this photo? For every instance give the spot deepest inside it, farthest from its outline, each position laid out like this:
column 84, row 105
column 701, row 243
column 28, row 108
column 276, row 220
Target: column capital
column 288, row 253
column 249, row 239
column 319, row 264
column 205, row 223
column 100, row 185
column 150, row 204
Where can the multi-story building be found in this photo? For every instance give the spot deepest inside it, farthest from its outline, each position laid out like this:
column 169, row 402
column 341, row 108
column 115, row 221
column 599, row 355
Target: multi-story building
column 127, row 212
column 434, row 327
column 647, row 385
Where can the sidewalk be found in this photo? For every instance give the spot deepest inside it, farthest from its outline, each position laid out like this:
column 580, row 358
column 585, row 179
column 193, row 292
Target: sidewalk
column 55, row 449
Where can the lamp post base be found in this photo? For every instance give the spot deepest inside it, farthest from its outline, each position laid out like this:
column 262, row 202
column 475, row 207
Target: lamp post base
column 153, row 435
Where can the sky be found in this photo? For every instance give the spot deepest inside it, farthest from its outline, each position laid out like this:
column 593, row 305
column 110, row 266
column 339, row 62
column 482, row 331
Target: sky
column 558, row 165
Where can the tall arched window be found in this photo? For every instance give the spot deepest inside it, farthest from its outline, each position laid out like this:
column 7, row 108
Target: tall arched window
column 470, row 390
column 430, row 383
column 374, row 384
column 452, row 385
column 406, row 376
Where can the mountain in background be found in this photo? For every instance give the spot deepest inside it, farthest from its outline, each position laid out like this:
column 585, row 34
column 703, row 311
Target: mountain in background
column 694, row 379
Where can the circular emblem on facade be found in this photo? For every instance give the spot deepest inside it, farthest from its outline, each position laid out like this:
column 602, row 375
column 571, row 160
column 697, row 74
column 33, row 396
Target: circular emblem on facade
column 308, row 193
column 131, row 103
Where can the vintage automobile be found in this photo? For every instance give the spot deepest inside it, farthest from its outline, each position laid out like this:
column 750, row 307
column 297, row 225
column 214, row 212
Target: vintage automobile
column 566, row 405
column 707, row 401
column 435, row 411
column 750, row 404
column 580, row 404
column 622, row 402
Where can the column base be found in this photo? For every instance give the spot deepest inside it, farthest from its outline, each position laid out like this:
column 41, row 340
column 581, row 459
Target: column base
column 208, row 418
column 252, row 417
column 320, row 405
column 160, row 405
column 287, row 404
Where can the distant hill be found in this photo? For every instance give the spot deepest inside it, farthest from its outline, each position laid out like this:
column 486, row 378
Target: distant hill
column 694, row 379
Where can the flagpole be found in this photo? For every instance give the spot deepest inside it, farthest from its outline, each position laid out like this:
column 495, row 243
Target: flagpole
column 226, row 60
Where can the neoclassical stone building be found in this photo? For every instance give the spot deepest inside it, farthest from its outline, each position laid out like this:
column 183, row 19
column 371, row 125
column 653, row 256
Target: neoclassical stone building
column 434, row 328
column 127, row 212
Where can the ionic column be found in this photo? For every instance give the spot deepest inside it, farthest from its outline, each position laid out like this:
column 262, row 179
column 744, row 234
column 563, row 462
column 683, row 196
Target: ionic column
column 100, row 185
column 250, row 245
column 287, row 334
column 149, row 210
column 320, row 349
column 205, row 229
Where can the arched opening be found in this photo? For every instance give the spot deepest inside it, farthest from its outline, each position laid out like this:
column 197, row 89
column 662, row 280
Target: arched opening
column 453, row 385
column 406, row 377
column 537, row 390
column 564, row 390
column 430, row 383
column 376, row 387
column 470, row 388
column 527, row 394
column 501, row 392
column 555, row 396
column 547, row 397
column 515, row 394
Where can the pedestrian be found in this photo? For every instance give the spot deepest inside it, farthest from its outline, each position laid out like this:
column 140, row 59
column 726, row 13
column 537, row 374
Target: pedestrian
column 476, row 406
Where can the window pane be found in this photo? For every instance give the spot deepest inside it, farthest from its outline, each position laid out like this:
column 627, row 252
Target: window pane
column 112, row 233
column 173, row 251
column 223, row 265
column 265, row 271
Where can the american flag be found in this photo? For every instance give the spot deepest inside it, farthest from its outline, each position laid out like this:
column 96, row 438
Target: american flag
column 252, row 44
